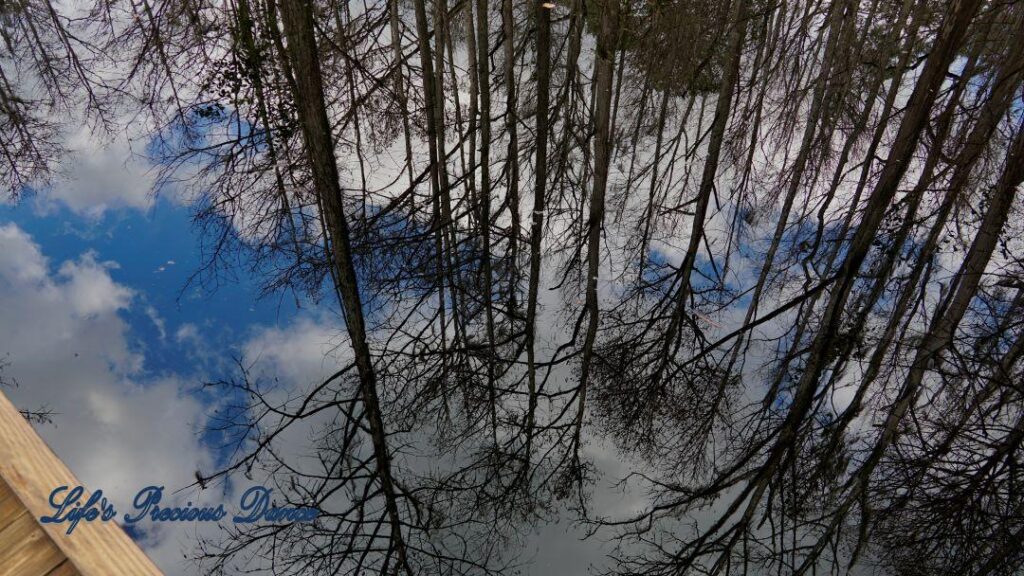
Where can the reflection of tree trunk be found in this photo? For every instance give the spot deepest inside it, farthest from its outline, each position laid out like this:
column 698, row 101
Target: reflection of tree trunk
column 964, row 285
column 342, row 26
column 568, row 101
column 994, row 109
column 512, row 157
column 474, row 94
column 838, row 172
column 723, row 105
column 822, row 92
column 870, row 154
column 539, row 192
column 785, row 439
column 245, row 36
column 440, row 198
column 484, row 69
column 645, row 236
column 427, row 71
column 1000, row 378
column 297, row 17
column 604, row 72
column 737, row 26
column 914, row 120
column 403, row 101
column 436, row 159
column 940, row 334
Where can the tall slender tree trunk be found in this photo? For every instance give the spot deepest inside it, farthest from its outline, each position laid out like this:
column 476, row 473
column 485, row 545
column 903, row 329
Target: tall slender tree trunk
column 399, row 81
column 297, row 17
column 484, row 69
column 512, row 156
column 543, row 16
column 915, row 117
column 993, row 110
column 838, row 15
column 649, row 211
column 245, row 34
column 474, row 93
column 737, row 26
column 940, row 333
column 604, row 70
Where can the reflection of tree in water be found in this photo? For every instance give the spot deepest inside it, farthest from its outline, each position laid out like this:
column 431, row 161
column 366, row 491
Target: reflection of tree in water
column 768, row 250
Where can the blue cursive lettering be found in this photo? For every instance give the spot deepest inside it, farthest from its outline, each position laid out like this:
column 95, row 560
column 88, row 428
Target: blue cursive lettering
column 147, row 503
column 256, row 502
column 70, row 509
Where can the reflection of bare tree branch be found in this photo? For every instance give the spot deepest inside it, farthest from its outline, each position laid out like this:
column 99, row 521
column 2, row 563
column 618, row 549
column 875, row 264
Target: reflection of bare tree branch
column 771, row 257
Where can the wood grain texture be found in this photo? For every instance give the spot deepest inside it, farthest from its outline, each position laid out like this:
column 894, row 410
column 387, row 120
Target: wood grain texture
column 5, row 491
column 65, row 568
column 25, row 550
column 31, row 471
column 10, row 506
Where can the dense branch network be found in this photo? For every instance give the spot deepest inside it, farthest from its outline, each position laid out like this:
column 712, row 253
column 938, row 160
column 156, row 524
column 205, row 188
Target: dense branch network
column 769, row 249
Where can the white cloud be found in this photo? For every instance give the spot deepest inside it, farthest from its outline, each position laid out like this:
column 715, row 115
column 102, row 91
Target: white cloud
column 187, row 332
column 89, row 288
column 70, row 351
column 305, row 352
column 99, row 175
column 301, row 354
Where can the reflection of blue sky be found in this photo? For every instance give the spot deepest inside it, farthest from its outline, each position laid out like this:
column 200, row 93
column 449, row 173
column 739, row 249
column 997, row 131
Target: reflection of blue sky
column 156, row 253
column 180, row 329
column 797, row 239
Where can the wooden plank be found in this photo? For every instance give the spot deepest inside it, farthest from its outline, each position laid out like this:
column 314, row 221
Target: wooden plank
column 65, row 568
column 10, row 506
column 5, row 491
column 25, row 550
column 32, row 471
column 11, row 512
